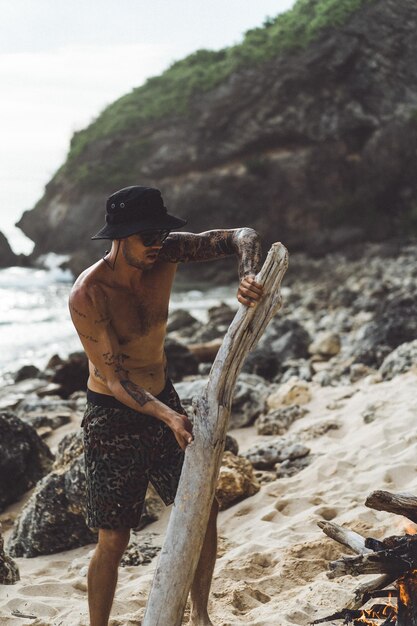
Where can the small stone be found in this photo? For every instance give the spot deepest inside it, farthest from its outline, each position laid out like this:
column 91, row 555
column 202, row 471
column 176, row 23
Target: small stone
column 9, row 572
column 279, row 421
column 402, row 359
column 266, row 455
column 326, row 344
column 236, row 480
column 289, row 468
column 25, row 372
column 294, row 391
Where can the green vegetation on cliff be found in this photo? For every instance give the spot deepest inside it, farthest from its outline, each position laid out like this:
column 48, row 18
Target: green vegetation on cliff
column 171, row 92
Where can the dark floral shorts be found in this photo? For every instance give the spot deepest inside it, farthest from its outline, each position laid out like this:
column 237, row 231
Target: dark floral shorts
column 124, row 450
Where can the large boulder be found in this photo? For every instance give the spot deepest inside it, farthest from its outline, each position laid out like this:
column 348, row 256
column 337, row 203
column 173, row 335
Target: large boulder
column 24, row 458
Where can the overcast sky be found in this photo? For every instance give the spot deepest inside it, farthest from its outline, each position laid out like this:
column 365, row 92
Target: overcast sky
column 63, row 61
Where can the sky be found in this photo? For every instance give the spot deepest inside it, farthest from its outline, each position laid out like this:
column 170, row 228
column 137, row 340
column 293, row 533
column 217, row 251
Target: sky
column 62, row 62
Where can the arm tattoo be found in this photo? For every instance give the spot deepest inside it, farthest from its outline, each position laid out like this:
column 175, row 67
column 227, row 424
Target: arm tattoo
column 117, row 361
column 215, row 244
column 102, row 320
column 88, row 337
column 98, row 375
column 77, row 311
column 139, row 395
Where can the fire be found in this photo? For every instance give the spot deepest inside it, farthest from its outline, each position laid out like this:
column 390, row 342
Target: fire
column 367, row 617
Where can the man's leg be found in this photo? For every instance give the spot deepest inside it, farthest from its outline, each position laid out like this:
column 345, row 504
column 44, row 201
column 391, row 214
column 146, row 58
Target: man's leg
column 200, row 588
column 102, row 573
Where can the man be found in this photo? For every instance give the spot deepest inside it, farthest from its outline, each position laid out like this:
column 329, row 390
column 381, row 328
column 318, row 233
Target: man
column 135, row 429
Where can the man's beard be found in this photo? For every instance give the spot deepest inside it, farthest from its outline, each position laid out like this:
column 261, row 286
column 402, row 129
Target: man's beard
column 134, row 262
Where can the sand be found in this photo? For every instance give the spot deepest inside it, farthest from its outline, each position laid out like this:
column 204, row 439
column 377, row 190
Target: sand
column 272, row 556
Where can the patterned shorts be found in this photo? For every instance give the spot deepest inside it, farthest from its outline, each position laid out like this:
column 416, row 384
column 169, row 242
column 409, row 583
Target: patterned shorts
column 124, row 450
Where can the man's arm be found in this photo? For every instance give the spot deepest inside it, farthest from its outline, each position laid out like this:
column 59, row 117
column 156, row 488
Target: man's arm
column 216, row 244
column 93, row 323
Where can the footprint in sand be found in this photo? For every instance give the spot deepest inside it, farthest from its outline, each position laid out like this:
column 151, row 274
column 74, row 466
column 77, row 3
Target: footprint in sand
column 248, row 598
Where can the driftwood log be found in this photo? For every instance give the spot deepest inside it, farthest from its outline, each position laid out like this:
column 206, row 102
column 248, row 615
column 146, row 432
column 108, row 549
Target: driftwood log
column 394, row 559
column 189, row 517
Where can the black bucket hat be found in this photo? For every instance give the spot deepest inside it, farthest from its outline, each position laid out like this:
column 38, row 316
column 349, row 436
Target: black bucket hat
column 134, row 209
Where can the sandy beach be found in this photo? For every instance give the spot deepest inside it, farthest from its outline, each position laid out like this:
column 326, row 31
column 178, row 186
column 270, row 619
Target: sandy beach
column 271, row 567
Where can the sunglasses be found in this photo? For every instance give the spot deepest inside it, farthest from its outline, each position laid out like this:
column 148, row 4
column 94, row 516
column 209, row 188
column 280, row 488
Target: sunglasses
column 151, row 237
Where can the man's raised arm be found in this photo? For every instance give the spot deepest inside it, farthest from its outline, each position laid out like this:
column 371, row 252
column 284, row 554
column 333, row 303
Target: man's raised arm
column 93, row 324
column 216, row 244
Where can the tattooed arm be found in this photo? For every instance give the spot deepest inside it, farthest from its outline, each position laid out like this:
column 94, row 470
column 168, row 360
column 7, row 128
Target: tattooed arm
column 216, row 244
column 93, row 323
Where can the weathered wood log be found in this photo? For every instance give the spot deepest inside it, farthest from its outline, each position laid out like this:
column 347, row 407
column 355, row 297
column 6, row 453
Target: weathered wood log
column 384, row 562
column 345, row 536
column 188, row 522
column 399, row 503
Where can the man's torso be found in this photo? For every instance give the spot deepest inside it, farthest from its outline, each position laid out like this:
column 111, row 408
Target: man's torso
column 138, row 318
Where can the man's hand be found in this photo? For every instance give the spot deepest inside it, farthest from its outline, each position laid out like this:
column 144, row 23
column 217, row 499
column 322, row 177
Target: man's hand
column 182, row 429
column 249, row 292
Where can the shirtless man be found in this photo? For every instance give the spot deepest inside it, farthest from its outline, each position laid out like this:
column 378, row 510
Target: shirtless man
column 135, row 428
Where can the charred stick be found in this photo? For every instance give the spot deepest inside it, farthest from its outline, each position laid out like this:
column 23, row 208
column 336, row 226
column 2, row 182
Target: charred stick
column 360, row 592
column 378, row 611
column 399, row 503
column 346, row 537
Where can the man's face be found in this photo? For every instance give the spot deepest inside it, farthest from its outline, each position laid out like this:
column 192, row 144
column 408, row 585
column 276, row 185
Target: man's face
column 139, row 255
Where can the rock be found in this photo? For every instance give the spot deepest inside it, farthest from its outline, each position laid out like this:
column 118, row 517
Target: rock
column 325, row 345
column 53, row 519
column 358, row 371
column 295, row 368
column 181, row 362
column 289, row 467
column 279, row 421
column 72, row 374
column 205, row 352
column 292, row 341
column 140, row 550
column 51, row 411
column 180, row 320
column 221, row 316
column 27, row 371
column 248, row 400
column 9, row 572
column 264, row 362
column 236, row 480
column 219, row 319
column 402, row 359
column 265, row 455
column 231, row 445
column 395, row 323
column 294, row 391
column 7, row 257
column 24, row 458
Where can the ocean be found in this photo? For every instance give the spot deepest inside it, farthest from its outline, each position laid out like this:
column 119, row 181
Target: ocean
column 34, row 319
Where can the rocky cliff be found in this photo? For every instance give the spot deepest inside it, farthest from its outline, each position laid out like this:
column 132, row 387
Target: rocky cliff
column 307, row 132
